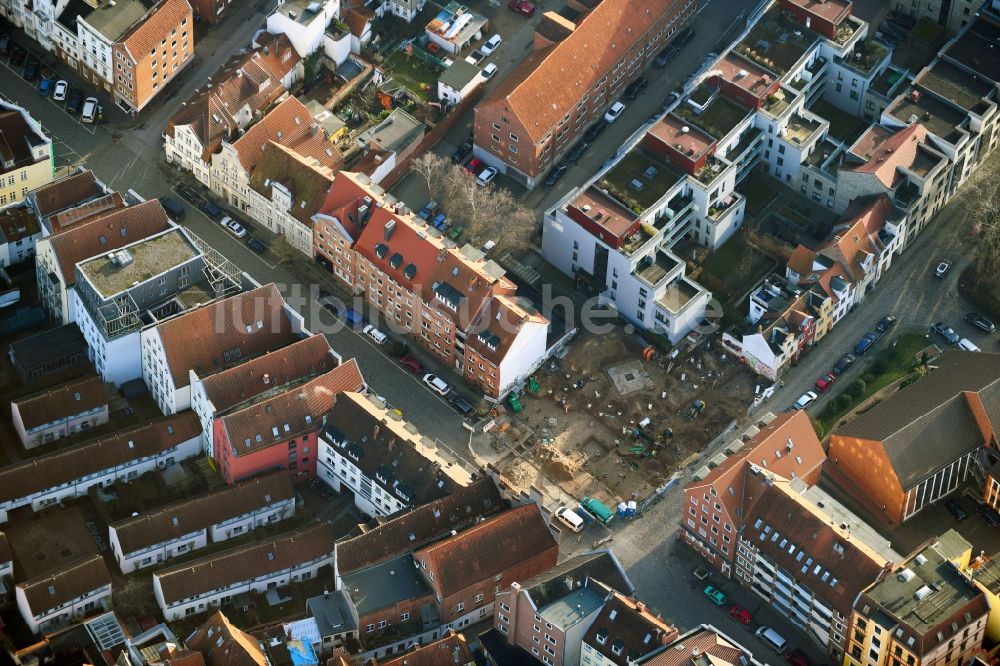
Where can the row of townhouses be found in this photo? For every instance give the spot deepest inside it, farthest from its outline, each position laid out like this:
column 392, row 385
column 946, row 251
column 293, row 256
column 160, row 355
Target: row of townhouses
column 130, row 48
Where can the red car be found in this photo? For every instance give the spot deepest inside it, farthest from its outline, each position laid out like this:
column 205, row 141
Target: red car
column 825, row 382
column 474, row 166
column 522, row 7
column 796, row 657
column 741, row 615
column 411, row 364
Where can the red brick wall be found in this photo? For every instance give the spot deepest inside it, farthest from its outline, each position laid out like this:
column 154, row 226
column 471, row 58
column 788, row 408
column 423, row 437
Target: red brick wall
column 144, row 86
column 817, row 23
column 865, row 463
column 236, row 467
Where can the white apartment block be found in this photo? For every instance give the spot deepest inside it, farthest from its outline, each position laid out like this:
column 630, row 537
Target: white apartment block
column 54, row 600
column 304, row 22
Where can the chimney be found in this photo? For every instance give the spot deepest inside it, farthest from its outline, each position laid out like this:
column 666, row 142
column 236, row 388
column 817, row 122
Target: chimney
column 267, row 378
column 375, row 431
column 639, row 606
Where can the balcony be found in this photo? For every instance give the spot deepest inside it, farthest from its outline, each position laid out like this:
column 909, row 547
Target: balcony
column 775, row 105
column 800, row 129
column 907, row 195
column 713, row 169
column 678, row 296
column 865, row 57
column 725, row 207
column 638, row 240
column 654, row 270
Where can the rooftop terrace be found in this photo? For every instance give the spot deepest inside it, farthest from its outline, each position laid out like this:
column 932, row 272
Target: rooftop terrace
column 605, row 212
column 302, row 11
column 777, row 40
column 718, row 119
column 660, row 267
column 742, row 72
column 958, row 85
column 678, row 295
column 865, row 57
column 833, row 11
column 977, row 50
column 800, row 129
column 149, row 257
column 639, row 180
column 689, row 140
column 940, row 118
column 889, row 79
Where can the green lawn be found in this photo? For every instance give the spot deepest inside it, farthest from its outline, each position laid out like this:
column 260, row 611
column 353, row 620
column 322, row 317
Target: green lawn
column 890, row 365
column 735, row 267
column 419, row 76
column 843, row 125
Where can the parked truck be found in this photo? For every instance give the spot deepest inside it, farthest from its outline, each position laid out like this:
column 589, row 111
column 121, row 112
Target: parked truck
column 597, row 509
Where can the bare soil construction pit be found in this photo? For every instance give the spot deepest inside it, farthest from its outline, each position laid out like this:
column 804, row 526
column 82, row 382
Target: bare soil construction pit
column 605, row 424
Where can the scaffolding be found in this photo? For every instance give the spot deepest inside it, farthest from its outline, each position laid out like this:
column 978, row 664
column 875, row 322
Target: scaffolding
column 222, row 274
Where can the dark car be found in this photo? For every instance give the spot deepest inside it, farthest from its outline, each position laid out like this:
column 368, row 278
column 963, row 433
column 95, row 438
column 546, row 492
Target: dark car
column 684, row 37
column 4, row 44
column 635, row 88
column 556, row 173
column 797, row 657
column 411, row 364
column 846, row 361
column 32, row 68
column 175, row 209
column 980, row 322
column 946, row 332
column 865, row 343
column 892, row 30
column 885, row 324
column 664, row 56
column 594, row 131
column 577, row 152
column 74, row 101
column 989, row 514
column 461, row 152
column 956, row 509
column 461, row 405
column 256, row 244
column 211, row 209
column 902, row 20
column 18, row 54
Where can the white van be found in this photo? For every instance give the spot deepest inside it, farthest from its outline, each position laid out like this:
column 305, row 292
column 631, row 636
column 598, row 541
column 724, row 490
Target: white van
column 772, row 638
column 569, row 518
column 967, row 345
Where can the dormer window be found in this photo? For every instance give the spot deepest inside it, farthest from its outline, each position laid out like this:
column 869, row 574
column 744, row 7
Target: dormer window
column 602, row 636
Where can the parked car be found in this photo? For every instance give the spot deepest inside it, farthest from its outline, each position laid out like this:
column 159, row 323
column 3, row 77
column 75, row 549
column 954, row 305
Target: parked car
column 846, row 361
column 797, row 657
column 577, row 152
column 805, row 400
column 32, row 68
column 594, row 131
column 968, row 345
column 59, row 92
column 902, row 20
column 989, row 514
column 491, row 45
column 473, row 166
column 411, row 364
column 378, row 336
column 556, row 173
column 956, row 509
column 437, row 384
column 522, row 7
column 45, row 87
column 18, row 55
column 486, row 176
column 684, row 37
column 475, row 57
column 462, row 152
column 489, row 70
column 256, row 244
column 635, row 88
column 885, row 323
column 74, row 101
column 4, row 44
column 824, row 383
column 210, row 209
column 614, row 112
column 741, row 615
column 865, row 343
column 89, row 113
column 893, row 30
column 233, row 227
column 942, row 269
column 980, row 321
column 946, row 332
column 664, row 56
column 461, row 405
column 715, row 596
column 175, row 209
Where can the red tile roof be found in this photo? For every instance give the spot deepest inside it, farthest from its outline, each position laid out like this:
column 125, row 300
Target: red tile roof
column 550, row 81
column 487, row 549
column 343, row 199
column 224, row 644
column 18, row 223
column 154, row 26
column 223, row 326
column 715, row 648
column 246, row 562
column 630, row 629
column 419, row 252
column 300, row 360
column 59, row 402
column 96, row 455
column 449, row 650
column 69, row 582
column 291, row 125
column 86, row 212
column 277, row 54
column 290, row 412
column 106, row 233
column 886, row 151
column 64, row 192
column 357, row 18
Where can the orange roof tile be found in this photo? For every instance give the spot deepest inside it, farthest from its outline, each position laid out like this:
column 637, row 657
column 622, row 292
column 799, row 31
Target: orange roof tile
column 886, row 151
column 224, row 644
column 417, row 256
column 550, row 81
column 86, row 212
column 357, row 18
column 291, row 125
column 66, row 191
column 156, row 25
column 487, row 549
column 253, row 322
column 277, row 54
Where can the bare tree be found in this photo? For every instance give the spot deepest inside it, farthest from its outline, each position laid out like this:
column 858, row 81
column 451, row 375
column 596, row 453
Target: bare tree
column 982, row 203
column 434, row 170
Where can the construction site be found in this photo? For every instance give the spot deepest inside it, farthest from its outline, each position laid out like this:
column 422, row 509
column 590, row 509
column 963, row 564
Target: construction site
column 613, row 419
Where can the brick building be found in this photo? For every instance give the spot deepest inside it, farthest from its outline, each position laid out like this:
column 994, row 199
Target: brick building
column 575, row 72
column 152, row 52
